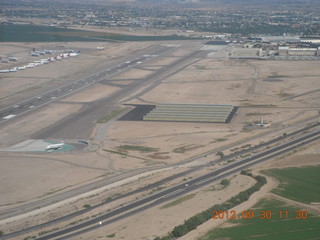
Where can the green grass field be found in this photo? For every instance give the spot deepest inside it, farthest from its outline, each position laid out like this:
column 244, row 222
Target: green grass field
column 38, row 33
column 275, row 228
column 299, row 184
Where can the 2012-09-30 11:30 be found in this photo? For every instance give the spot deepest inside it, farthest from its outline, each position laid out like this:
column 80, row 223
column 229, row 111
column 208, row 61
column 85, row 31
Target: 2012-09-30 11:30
column 263, row 214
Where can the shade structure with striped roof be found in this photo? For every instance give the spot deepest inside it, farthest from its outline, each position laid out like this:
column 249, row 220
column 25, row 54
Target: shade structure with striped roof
column 180, row 112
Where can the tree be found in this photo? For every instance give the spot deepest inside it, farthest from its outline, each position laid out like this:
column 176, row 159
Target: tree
column 225, row 182
column 180, row 230
column 220, row 154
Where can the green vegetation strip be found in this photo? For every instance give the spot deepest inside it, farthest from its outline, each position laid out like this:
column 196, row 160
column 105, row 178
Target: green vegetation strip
column 138, row 148
column 112, row 115
column 116, row 152
column 178, row 201
column 278, row 76
column 38, row 33
column 186, row 148
column 277, row 226
column 124, row 154
column 195, row 221
column 111, row 235
column 299, row 184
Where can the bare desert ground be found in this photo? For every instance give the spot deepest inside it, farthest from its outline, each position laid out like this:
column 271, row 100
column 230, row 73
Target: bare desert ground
column 281, row 93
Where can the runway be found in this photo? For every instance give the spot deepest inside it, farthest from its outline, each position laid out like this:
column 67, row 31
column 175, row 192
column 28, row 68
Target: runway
column 31, row 104
column 80, row 125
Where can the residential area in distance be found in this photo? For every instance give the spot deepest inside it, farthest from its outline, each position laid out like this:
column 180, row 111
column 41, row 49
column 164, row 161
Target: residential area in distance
column 159, row 120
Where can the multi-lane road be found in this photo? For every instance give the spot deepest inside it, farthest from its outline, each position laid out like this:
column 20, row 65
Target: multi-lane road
column 180, row 189
column 177, row 190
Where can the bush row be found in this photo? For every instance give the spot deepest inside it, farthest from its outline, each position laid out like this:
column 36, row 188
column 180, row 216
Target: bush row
column 198, row 219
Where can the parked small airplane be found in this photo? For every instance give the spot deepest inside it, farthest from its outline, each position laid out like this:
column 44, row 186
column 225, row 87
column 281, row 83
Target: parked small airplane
column 34, row 54
column 15, row 69
column 43, row 61
column 64, row 56
column 74, row 54
column 46, row 60
column 55, row 146
column 48, row 51
column 13, row 59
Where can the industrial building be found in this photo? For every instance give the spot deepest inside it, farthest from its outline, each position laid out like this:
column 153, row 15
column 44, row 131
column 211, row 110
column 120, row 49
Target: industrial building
column 245, row 53
column 288, row 51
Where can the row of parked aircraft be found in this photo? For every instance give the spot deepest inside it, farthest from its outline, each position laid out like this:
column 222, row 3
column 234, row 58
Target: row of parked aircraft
column 42, row 61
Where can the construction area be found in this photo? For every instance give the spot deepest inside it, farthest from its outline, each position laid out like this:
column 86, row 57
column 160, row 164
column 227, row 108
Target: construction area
column 213, row 113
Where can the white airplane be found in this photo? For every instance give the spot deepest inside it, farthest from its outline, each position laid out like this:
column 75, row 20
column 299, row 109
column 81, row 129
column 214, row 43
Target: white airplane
column 43, row 61
column 15, row 69
column 55, row 146
column 5, row 71
column 57, row 58
column 64, row 56
column 51, row 59
column 73, row 54
column 31, row 65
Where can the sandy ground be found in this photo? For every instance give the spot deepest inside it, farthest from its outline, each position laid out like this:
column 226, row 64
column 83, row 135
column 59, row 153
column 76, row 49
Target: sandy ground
column 248, row 84
column 25, row 186
column 92, row 94
column 37, row 120
column 158, row 220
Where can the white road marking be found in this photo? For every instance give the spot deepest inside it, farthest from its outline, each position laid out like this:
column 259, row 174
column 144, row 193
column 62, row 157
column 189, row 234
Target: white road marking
column 173, row 193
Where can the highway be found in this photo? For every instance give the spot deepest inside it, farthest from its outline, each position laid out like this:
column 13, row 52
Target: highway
column 180, row 189
column 33, row 103
column 59, row 197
